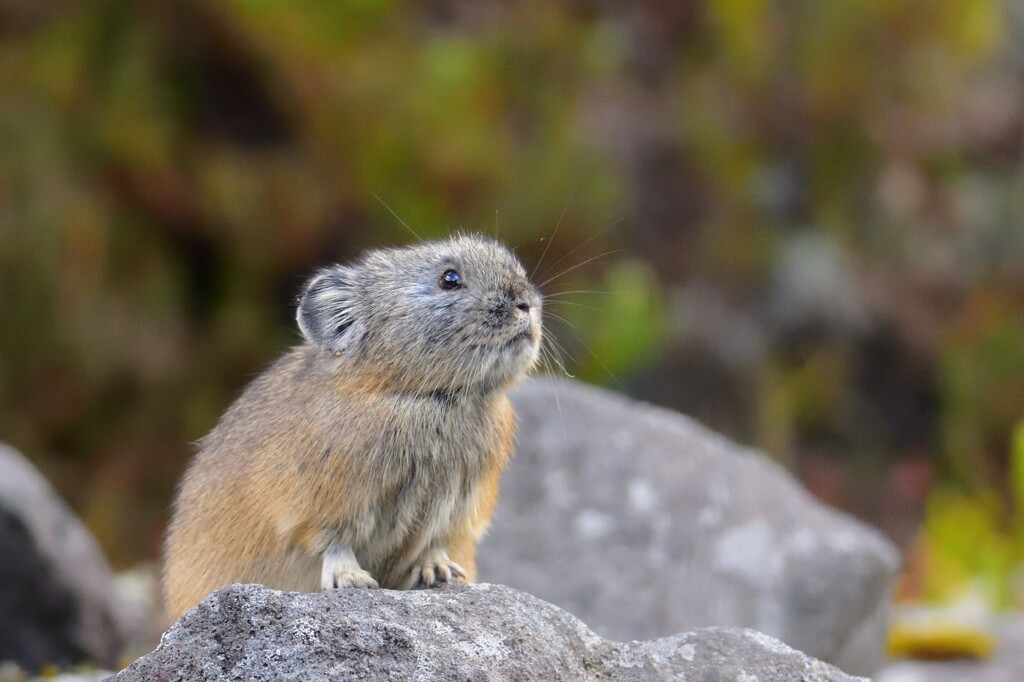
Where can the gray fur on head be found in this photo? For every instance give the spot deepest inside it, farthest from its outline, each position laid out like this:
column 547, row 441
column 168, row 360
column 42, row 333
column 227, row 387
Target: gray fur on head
column 390, row 313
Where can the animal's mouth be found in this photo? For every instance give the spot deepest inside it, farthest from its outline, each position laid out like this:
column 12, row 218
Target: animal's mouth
column 523, row 336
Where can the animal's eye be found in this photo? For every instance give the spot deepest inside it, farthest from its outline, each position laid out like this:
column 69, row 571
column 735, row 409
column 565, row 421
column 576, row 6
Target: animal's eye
column 451, row 280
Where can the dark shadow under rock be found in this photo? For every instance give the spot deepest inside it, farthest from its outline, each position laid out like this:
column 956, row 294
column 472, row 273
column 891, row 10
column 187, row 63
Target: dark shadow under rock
column 57, row 601
column 37, row 613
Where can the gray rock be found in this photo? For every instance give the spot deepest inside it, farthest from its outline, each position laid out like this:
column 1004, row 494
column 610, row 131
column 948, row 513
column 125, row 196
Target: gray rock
column 478, row 632
column 644, row 523
column 57, row 604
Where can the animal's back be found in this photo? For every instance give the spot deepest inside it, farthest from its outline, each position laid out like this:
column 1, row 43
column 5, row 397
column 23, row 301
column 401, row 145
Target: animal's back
column 222, row 529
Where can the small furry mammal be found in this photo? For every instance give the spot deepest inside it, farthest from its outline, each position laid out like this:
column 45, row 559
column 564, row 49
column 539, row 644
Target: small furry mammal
column 370, row 454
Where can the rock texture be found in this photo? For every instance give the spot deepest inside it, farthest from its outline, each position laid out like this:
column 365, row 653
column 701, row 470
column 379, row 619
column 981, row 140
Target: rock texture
column 644, row 523
column 56, row 592
column 479, row 632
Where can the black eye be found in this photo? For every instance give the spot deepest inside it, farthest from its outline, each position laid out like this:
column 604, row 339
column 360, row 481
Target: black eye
column 451, row 280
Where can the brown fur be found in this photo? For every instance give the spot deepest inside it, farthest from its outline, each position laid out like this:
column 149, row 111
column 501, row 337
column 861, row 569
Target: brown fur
column 327, row 449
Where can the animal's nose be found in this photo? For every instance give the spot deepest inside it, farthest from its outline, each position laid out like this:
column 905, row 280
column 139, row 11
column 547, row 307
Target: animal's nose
column 517, row 297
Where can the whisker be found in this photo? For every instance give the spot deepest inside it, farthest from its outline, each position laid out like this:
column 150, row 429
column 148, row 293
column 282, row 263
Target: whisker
column 559, row 363
column 577, row 266
column 561, row 419
column 590, row 350
column 559, row 317
column 578, row 305
column 397, row 217
column 575, row 291
column 581, row 245
column 561, row 349
column 604, row 367
column 552, row 238
column 528, row 241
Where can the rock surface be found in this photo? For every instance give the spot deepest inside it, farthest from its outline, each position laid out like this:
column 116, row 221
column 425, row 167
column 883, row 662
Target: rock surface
column 56, row 592
column 644, row 523
column 479, row 632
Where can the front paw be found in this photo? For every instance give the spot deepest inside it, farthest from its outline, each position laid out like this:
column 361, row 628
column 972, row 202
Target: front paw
column 435, row 568
column 346, row 576
column 341, row 569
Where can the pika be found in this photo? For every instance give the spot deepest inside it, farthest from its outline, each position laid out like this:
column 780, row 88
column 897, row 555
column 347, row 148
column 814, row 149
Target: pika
column 369, row 455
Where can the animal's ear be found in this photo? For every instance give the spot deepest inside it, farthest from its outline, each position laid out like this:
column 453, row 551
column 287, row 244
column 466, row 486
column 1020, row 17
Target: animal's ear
column 327, row 313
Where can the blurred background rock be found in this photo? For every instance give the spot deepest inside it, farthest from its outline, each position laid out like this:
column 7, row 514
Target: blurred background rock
column 801, row 223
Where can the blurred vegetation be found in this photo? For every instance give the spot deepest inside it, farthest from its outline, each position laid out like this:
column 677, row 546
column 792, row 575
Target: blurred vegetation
column 973, row 543
column 800, row 222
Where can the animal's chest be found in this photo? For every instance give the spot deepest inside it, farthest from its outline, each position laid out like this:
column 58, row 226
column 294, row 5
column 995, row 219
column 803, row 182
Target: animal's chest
column 436, row 465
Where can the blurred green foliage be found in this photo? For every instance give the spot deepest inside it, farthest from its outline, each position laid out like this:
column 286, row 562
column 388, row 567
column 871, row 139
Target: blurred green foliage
column 982, row 378
column 620, row 325
column 813, row 212
column 968, row 545
column 976, row 541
